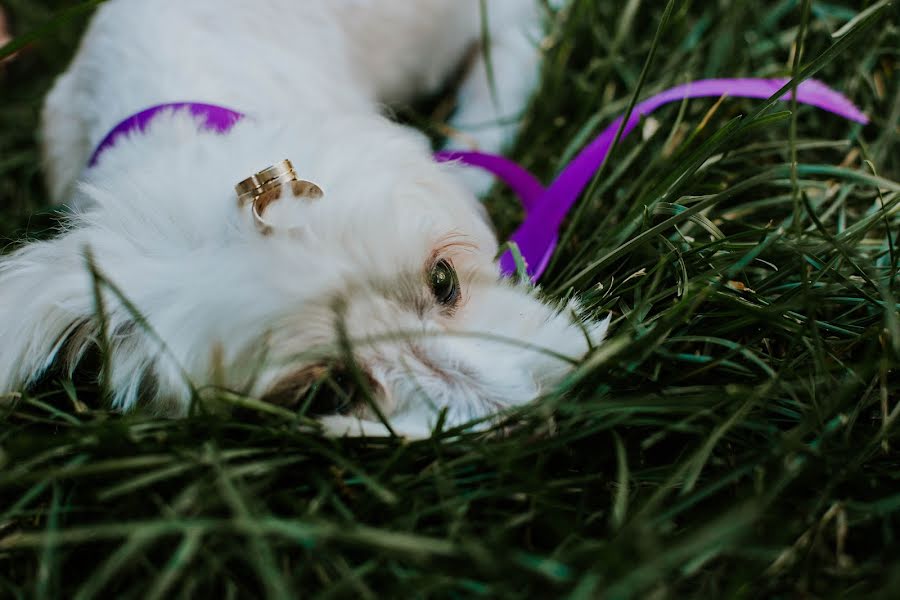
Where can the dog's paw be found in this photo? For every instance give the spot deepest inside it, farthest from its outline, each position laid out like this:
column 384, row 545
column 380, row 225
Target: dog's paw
column 478, row 181
column 348, row 426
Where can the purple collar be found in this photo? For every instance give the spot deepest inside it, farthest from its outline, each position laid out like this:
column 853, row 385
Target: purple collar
column 217, row 118
column 546, row 207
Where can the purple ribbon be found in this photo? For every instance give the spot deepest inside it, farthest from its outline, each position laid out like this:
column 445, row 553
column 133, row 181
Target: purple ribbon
column 538, row 234
column 545, row 208
column 215, row 118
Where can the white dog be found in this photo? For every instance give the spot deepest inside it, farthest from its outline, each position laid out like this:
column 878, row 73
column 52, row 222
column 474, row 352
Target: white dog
column 396, row 260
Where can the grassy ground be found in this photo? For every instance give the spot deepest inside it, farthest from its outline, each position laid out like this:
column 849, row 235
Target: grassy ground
column 737, row 436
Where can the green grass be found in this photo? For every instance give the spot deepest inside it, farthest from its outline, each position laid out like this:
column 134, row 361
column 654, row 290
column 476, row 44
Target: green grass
column 736, row 437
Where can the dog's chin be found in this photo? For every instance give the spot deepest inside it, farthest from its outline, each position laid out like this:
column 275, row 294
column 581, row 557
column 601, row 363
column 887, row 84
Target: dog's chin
column 456, row 397
column 413, row 408
column 412, row 398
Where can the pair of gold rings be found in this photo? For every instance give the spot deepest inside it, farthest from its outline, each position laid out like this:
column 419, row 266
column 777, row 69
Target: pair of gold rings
column 268, row 185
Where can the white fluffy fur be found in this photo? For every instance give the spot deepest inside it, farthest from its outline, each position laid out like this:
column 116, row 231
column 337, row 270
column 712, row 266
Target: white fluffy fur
column 230, row 307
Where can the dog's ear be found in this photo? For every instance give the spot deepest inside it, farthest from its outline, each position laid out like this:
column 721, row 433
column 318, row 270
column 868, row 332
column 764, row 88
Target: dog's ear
column 47, row 308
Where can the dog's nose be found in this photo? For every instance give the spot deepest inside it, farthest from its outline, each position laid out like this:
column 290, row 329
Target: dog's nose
column 351, row 388
column 325, row 389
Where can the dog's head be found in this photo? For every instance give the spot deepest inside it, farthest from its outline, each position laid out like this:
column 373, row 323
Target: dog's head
column 389, row 279
column 407, row 302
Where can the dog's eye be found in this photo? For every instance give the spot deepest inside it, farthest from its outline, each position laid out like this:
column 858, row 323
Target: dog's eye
column 444, row 283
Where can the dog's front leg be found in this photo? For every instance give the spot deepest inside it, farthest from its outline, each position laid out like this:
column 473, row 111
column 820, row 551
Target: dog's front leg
column 496, row 91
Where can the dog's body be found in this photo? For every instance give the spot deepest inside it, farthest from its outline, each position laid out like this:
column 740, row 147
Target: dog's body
column 284, row 60
column 219, row 303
